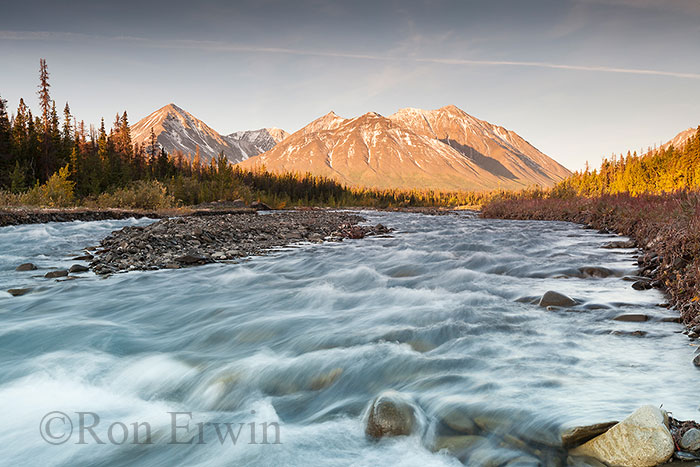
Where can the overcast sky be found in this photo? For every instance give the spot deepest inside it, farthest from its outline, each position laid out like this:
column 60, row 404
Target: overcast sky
column 579, row 79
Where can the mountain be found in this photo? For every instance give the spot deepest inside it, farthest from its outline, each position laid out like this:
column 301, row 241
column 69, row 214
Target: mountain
column 413, row 148
column 679, row 141
column 178, row 130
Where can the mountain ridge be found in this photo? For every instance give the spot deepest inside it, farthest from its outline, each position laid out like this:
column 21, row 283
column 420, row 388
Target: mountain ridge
column 178, row 130
column 445, row 148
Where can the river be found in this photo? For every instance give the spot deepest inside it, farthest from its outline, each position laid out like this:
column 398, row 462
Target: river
column 304, row 339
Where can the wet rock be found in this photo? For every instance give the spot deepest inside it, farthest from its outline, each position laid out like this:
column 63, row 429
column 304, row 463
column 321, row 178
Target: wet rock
column 684, row 457
column 78, row 268
column 326, row 379
column 459, row 420
column 583, row 461
column 552, row 298
column 642, row 285
column 632, row 318
column 595, row 271
column 578, row 435
column 171, row 266
column 629, row 333
column 641, row 440
column 671, row 319
column 458, row 445
column 620, row 244
column 696, row 361
column 691, row 440
column 55, row 274
column 26, row 267
column 191, row 259
column 391, row 414
column 84, row 258
column 219, row 256
column 18, row 292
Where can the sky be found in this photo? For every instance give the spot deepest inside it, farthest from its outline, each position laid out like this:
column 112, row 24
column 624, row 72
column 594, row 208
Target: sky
column 579, row 79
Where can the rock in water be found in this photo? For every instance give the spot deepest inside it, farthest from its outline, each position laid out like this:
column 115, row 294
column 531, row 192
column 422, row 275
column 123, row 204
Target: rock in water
column 640, row 440
column 18, row 292
column 696, row 361
column 390, row 415
column 578, row 435
column 78, row 268
column 55, row 274
column 691, row 440
column 26, row 267
column 552, row 298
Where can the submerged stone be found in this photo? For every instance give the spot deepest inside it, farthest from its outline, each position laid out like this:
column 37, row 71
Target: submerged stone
column 641, row 440
column 633, row 318
column 18, row 292
column 595, row 271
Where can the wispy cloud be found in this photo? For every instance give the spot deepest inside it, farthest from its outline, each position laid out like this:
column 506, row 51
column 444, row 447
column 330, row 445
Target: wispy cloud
column 217, row 46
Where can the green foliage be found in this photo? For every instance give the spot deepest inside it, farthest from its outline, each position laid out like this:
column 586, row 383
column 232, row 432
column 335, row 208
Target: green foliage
column 142, row 194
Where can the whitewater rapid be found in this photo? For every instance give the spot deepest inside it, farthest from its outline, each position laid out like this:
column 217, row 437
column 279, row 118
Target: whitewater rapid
column 306, row 337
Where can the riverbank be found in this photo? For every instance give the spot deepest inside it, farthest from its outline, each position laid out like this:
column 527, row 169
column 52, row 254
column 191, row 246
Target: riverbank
column 21, row 216
column 665, row 227
column 197, row 239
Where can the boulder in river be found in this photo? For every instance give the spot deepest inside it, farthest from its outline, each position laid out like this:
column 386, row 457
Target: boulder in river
column 552, row 298
column 391, row 414
column 640, row 440
column 576, row 436
column 26, row 267
column 696, row 361
column 78, row 268
column 55, row 274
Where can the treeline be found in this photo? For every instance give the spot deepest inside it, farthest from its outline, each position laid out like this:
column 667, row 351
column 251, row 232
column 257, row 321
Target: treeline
column 59, row 161
column 660, row 171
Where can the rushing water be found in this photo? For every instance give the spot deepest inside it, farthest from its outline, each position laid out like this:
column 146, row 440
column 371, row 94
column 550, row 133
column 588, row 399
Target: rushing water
column 306, row 337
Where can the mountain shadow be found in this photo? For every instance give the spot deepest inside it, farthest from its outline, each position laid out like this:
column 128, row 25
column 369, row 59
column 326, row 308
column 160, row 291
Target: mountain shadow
column 485, row 162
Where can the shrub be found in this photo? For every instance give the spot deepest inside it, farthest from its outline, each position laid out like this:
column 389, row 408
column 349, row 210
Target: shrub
column 141, row 194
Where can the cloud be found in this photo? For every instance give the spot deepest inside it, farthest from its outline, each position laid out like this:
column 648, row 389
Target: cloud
column 685, row 6
column 217, row 46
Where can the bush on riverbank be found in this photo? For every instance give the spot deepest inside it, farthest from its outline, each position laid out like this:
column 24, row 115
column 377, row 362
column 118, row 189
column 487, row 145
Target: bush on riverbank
column 665, row 225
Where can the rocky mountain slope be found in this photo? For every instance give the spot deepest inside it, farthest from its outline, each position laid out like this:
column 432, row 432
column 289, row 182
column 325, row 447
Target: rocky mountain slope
column 178, row 130
column 413, row 148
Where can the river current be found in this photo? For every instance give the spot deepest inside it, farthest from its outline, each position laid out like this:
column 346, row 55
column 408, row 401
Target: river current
column 305, row 338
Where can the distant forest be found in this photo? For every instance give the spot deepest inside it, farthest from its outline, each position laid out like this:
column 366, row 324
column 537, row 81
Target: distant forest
column 659, row 171
column 47, row 160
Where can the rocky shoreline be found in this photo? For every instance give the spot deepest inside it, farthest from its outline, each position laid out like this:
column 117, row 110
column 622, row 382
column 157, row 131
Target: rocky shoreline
column 201, row 239
column 40, row 216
